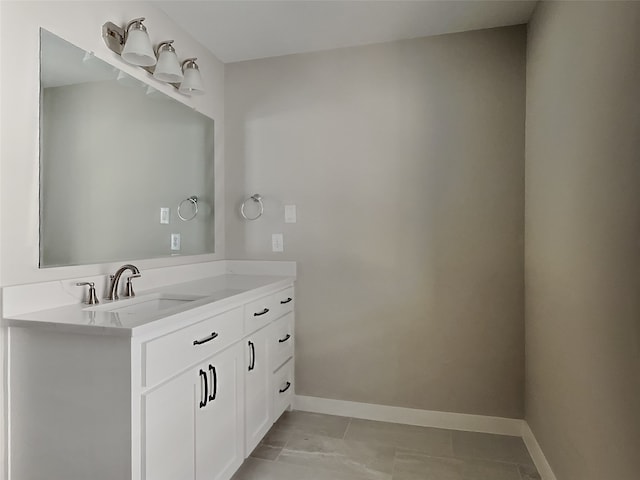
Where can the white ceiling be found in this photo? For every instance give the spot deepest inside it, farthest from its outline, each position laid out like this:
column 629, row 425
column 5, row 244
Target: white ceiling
column 236, row 30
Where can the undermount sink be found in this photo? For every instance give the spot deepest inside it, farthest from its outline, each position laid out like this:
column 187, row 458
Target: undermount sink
column 151, row 303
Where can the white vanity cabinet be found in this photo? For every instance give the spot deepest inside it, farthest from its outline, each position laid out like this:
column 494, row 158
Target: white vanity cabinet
column 169, row 354
column 281, row 339
column 187, row 401
column 193, row 424
column 281, row 389
column 281, row 352
column 257, row 392
column 220, row 418
column 164, row 458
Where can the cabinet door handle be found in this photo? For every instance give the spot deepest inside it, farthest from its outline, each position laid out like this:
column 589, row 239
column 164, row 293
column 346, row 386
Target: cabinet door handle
column 203, row 375
column 282, row 302
column 214, row 382
column 252, row 355
column 206, row 339
column 257, row 314
column 282, row 390
column 282, row 340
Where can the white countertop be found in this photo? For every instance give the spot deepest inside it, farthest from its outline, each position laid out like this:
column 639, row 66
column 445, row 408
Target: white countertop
column 214, row 294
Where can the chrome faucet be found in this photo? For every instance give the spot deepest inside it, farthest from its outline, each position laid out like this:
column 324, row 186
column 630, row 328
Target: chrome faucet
column 115, row 280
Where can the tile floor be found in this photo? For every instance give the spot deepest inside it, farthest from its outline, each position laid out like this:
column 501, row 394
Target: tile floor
column 310, row 446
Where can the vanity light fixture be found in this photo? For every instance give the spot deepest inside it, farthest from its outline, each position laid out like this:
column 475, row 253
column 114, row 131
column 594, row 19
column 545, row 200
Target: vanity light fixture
column 168, row 68
column 131, row 42
column 192, row 83
column 133, row 45
column 137, row 47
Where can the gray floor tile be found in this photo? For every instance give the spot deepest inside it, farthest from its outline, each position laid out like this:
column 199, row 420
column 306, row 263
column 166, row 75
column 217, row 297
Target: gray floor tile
column 308, row 446
column 528, row 472
column 501, row 448
column 473, row 469
column 312, row 423
column 255, row 469
column 362, row 459
column 408, row 476
column 277, row 436
column 266, row 452
column 416, row 466
column 432, row 441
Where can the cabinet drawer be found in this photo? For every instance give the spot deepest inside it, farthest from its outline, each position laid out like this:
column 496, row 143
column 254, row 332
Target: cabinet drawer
column 284, row 301
column 258, row 314
column 281, row 341
column 174, row 352
column 282, row 389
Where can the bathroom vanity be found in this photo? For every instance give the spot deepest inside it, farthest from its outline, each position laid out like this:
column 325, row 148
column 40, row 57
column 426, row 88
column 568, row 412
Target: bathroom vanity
column 179, row 382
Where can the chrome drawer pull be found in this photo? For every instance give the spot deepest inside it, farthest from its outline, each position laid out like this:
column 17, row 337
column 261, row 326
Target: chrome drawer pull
column 282, row 302
column 206, row 339
column 282, row 390
column 266, row 310
column 282, row 340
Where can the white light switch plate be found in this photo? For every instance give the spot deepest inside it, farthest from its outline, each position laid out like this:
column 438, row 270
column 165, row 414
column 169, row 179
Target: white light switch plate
column 175, row 241
column 164, row 215
column 277, row 242
column 289, row 214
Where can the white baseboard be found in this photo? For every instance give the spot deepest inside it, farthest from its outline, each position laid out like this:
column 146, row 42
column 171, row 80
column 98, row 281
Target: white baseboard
column 430, row 418
column 410, row 416
column 544, row 469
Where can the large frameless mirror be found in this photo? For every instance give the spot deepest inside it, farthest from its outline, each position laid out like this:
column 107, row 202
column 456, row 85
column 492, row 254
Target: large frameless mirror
column 126, row 172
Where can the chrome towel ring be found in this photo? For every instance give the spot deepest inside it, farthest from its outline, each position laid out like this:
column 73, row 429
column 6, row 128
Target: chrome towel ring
column 194, row 203
column 257, row 198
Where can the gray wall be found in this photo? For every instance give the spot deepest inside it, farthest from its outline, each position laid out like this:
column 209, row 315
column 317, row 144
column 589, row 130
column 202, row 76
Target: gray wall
column 582, row 251
column 405, row 161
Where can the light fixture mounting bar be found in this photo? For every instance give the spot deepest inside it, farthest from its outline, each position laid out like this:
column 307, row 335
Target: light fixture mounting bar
column 114, row 37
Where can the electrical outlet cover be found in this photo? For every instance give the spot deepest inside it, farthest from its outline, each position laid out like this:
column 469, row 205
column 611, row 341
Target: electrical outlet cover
column 277, row 242
column 289, row 214
column 164, row 215
column 175, row 241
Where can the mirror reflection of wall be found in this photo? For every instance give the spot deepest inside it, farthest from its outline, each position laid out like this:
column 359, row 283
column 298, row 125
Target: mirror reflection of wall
column 113, row 152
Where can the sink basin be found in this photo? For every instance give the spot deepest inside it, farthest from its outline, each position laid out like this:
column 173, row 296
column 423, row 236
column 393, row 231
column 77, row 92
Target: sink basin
column 146, row 304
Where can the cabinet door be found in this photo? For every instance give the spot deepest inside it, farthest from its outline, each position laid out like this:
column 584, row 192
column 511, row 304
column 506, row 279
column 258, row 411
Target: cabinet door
column 257, row 399
column 169, row 429
column 219, row 424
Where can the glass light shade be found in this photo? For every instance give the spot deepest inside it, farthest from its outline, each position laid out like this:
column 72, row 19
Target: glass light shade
column 192, row 82
column 168, row 68
column 137, row 50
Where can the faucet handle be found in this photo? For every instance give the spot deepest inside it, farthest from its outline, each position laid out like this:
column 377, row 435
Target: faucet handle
column 112, row 295
column 93, row 298
column 128, row 290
